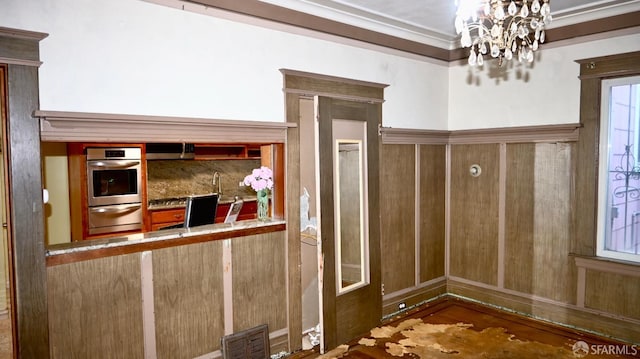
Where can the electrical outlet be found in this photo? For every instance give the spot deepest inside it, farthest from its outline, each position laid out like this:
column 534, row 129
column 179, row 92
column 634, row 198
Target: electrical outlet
column 402, row 306
column 241, row 184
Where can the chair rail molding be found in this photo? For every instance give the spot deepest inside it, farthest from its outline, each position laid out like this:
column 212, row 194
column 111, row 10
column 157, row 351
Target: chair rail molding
column 520, row 134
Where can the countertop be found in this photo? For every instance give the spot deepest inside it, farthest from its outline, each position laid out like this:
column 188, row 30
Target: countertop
column 167, row 235
column 223, row 200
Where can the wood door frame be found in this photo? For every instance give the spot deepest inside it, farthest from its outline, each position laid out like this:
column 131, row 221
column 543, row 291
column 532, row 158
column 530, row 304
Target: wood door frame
column 19, row 50
column 299, row 85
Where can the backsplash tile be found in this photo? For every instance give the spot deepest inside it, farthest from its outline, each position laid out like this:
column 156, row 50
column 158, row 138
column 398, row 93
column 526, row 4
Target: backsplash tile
column 181, row 178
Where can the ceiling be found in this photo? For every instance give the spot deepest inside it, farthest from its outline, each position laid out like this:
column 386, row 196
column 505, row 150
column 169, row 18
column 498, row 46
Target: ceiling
column 431, row 21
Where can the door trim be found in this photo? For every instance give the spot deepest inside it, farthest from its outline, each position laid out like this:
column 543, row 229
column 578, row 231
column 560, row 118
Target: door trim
column 303, row 85
column 24, row 171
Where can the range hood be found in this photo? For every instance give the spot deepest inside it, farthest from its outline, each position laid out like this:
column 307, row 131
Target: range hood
column 170, row 151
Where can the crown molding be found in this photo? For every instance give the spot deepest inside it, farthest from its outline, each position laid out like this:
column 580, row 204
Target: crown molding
column 59, row 126
column 575, row 22
column 20, row 47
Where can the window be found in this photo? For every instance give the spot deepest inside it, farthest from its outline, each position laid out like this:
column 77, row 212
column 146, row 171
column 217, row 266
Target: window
column 619, row 173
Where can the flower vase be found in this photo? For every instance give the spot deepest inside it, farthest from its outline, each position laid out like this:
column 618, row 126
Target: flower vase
column 263, row 204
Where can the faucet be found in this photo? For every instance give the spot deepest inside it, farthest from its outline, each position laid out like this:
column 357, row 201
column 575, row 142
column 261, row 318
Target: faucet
column 217, row 180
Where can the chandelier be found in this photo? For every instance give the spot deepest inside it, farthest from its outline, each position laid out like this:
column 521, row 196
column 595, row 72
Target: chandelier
column 503, row 28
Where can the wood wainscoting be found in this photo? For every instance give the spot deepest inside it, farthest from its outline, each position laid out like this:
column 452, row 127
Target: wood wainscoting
column 506, row 235
column 172, row 301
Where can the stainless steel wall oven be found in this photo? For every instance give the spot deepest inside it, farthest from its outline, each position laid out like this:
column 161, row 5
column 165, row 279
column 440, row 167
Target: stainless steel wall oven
column 114, row 189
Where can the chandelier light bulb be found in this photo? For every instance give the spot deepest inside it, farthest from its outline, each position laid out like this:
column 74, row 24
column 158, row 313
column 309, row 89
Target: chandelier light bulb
column 507, row 28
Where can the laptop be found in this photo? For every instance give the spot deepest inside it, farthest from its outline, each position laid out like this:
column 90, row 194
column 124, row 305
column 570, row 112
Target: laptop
column 201, row 210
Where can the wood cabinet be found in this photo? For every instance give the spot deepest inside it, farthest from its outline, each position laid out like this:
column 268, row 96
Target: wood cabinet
column 166, row 217
column 226, row 151
column 160, row 218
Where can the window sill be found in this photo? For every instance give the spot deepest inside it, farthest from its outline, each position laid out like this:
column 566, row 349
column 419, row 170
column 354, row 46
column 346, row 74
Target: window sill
column 610, row 265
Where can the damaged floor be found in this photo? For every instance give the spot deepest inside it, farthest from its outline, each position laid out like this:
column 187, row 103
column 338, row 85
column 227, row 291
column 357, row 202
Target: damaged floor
column 453, row 328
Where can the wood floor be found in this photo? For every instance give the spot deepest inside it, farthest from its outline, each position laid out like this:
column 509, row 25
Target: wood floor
column 557, row 341
column 451, row 311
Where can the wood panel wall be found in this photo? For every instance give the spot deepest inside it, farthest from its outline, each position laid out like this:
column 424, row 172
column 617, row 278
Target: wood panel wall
column 200, row 292
column 412, row 223
column 95, row 308
column 397, row 222
column 512, row 236
column 188, row 299
column 613, row 293
column 512, row 239
column 259, row 282
column 538, row 220
column 474, row 216
column 433, row 169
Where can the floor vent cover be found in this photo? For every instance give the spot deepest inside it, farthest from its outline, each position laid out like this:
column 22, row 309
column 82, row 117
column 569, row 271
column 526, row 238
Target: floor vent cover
column 248, row 344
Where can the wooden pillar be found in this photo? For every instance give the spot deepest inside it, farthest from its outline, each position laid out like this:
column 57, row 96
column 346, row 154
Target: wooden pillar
column 21, row 136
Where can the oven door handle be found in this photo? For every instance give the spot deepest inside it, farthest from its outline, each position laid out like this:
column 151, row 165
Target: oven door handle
column 118, row 209
column 113, row 164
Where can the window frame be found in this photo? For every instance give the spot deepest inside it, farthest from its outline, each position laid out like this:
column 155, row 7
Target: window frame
column 604, row 166
column 586, row 157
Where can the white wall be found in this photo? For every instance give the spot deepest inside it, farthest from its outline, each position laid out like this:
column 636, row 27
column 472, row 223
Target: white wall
column 134, row 57
column 56, row 181
column 516, row 95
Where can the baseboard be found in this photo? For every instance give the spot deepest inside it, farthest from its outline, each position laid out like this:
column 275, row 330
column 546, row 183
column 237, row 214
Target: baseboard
column 563, row 314
column 412, row 297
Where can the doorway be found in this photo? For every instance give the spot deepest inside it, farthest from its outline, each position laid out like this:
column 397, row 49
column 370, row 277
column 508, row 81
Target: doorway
column 336, row 192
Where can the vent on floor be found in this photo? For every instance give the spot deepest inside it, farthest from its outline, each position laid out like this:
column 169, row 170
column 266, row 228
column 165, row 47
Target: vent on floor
column 248, row 344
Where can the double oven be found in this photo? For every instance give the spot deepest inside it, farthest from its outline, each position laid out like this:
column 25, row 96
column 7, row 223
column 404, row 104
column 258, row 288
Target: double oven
column 114, row 189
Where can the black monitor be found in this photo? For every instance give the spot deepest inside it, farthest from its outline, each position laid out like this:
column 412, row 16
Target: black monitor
column 201, row 210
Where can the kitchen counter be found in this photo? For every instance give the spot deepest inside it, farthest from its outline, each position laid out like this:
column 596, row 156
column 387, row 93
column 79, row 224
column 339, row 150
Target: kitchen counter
column 173, row 203
column 171, row 211
column 138, row 242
